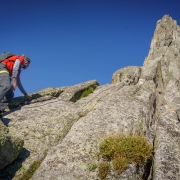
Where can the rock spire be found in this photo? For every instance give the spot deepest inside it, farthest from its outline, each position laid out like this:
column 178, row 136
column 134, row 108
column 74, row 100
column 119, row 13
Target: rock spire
column 62, row 131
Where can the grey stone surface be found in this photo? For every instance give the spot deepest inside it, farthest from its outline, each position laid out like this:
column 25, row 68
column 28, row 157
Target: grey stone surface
column 10, row 147
column 129, row 75
column 65, row 132
column 120, row 111
column 73, row 93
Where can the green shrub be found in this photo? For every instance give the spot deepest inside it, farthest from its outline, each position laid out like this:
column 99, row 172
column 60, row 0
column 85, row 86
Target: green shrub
column 123, row 150
column 104, row 168
column 87, row 92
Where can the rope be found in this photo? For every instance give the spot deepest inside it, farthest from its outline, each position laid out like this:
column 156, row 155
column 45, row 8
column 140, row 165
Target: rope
column 57, row 100
column 46, row 103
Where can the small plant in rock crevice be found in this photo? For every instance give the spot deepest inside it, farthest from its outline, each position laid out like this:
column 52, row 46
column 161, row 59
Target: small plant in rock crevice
column 92, row 167
column 33, row 167
column 87, row 92
column 104, row 168
column 122, row 150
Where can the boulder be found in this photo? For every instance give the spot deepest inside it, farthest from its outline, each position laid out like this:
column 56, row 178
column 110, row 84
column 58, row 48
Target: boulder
column 63, row 132
column 129, row 75
column 10, row 147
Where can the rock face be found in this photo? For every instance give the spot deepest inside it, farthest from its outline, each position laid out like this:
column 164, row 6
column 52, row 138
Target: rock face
column 64, row 132
column 10, row 147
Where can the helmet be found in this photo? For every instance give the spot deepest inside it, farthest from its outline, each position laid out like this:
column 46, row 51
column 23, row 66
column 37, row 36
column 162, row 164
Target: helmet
column 26, row 58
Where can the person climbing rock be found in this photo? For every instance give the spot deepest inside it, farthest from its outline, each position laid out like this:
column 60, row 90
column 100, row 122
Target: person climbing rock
column 10, row 69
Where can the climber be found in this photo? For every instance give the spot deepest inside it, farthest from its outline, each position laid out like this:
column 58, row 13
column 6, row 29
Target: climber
column 10, row 69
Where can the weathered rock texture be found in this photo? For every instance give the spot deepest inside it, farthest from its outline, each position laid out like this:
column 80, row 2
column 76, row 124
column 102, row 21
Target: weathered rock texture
column 64, row 132
column 10, row 147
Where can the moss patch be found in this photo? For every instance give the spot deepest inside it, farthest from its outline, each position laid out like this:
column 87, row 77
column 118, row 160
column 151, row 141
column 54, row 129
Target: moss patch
column 123, row 150
column 33, row 167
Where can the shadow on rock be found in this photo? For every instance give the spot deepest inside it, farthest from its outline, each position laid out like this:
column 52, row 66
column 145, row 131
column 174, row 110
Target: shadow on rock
column 22, row 100
column 7, row 120
column 9, row 171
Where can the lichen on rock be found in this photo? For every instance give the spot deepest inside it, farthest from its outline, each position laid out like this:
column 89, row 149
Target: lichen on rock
column 10, row 147
column 141, row 100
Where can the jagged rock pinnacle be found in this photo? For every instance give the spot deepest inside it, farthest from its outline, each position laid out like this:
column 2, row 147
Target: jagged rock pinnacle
column 63, row 132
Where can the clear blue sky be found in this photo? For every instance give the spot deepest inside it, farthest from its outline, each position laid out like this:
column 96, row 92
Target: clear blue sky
column 73, row 41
